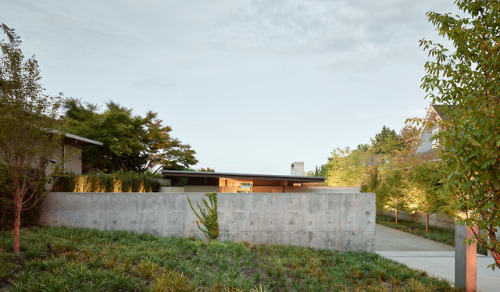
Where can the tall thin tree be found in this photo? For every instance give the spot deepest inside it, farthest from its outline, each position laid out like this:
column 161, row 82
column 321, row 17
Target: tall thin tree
column 27, row 139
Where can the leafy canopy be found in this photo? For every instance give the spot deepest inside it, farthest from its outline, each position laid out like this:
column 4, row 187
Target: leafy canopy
column 466, row 79
column 131, row 142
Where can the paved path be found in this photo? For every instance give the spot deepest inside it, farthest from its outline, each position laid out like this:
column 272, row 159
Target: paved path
column 389, row 239
column 433, row 257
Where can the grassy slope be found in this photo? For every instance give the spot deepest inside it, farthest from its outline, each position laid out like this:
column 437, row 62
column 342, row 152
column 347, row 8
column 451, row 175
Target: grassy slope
column 86, row 259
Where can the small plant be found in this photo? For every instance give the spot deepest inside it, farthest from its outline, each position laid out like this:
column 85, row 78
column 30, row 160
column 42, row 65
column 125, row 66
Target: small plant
column 208, row 216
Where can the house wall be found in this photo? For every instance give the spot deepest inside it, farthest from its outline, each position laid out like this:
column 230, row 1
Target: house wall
column 72, row 155
column 190, row 189
column 321, row 189
column 268, row 189
column 204, row 189
column 73, row 158
column 425, row 141
column 261, row 189
column 337, row 221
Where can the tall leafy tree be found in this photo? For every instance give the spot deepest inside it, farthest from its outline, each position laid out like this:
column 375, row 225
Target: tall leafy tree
column 429, row 195
column 393, row 192
column 386, row 142
column 403, row 179
column 131, row 142
column 466, row 78
column 347, row 167
column 27, row 141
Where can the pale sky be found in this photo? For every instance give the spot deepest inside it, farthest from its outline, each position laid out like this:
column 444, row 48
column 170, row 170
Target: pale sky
column 251, row 85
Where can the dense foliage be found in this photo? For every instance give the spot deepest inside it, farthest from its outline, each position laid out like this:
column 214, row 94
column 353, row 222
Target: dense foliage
column 346, row 166
column 390, row 167
column 466, row 79
column 131, row 142
column 101, row 182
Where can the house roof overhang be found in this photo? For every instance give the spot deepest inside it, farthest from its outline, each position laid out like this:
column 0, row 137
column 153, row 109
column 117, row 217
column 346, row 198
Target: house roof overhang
column 243, row 176
column 75, row 137
column 82, row 139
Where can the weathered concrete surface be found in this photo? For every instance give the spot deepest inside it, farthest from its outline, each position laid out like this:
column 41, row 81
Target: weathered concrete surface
column 340, row 221
column 165, row 214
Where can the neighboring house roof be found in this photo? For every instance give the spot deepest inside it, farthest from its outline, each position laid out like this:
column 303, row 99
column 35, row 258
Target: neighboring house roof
column 288, row 178
column 438, row 111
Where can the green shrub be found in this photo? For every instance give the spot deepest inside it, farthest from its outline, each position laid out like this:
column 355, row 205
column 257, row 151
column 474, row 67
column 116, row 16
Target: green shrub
column 102, row 182
column 208, row 217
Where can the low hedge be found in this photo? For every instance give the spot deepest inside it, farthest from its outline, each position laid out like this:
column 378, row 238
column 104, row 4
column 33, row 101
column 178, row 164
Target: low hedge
column 101, row 182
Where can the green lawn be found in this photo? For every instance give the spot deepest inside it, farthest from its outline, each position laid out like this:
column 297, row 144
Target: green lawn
column 91, row 260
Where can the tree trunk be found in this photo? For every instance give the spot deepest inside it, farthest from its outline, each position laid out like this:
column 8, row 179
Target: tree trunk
column 496, row 257
column 426, row 221
column 17, row 226
column 396, row 214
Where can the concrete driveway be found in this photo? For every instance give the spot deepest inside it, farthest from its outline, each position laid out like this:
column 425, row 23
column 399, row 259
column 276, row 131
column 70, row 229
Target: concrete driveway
column 435, row 258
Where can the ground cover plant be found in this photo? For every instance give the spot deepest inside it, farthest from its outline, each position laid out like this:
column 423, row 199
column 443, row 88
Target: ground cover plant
column 87, row 259
column 434, row 233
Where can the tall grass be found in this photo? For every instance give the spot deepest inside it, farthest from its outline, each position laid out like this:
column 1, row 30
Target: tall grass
column 86, row 259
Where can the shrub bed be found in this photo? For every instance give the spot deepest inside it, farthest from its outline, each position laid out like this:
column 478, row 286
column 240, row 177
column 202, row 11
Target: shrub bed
column 101, row 182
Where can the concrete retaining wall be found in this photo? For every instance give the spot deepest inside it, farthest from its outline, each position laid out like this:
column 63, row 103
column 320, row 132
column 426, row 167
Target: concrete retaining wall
column 337, row 221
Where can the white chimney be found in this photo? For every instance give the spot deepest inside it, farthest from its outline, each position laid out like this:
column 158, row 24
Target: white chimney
column 298, row 168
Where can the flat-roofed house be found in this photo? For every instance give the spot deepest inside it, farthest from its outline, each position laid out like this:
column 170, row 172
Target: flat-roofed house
column 225, row 182
column 70, row 153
